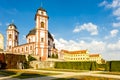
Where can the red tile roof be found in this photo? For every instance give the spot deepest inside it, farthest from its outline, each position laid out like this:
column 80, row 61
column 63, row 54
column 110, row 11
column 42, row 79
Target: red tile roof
column 75, row 52
column 94, row 55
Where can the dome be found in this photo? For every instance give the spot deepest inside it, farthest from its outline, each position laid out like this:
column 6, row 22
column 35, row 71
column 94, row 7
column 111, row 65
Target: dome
column 50, row 36
column 12, row 26
column 33, row 32
column 41, row 9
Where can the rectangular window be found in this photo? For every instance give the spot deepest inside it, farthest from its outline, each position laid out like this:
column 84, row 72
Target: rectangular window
column 30, row 47
column 26, row 48
column 22, row 49
column 42, row 39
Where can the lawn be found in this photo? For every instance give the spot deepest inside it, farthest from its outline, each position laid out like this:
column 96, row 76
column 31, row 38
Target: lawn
column 21, row 74
column 64, row 70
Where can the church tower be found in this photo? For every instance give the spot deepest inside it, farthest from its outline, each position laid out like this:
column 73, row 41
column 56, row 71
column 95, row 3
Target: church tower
column 41, row 45
column 12, row 37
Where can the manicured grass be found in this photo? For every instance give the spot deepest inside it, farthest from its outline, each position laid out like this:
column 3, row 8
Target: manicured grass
column 85, row 78
column 7, row 73
column 22, row 74
column 33, row 75
column 28, row 75
column 65, row 70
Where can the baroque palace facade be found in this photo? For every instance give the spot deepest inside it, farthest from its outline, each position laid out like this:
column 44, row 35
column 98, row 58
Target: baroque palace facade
column 81, row 55
column 39, row 40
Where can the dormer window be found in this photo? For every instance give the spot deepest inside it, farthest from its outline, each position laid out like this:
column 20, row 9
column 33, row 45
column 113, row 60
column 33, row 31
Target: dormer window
column 42, row 24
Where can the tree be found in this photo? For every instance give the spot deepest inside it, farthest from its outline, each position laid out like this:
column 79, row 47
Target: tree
column 92, row 67
column 30, row 58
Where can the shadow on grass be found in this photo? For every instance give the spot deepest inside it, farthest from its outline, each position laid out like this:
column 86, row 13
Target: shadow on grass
column 20, row 74
column 7, row 73
column 28, row 75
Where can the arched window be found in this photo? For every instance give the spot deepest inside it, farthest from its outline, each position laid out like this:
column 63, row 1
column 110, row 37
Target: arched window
column 30, row 47
column 26, row 48
column 22, row 49
column 10, row 36
column 42, row 24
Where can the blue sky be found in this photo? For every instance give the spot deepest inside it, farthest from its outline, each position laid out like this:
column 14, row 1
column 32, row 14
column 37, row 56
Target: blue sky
column 75, row 24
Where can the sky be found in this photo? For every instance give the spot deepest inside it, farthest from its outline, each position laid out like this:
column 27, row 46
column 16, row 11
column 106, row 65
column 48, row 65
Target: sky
column 75, row 24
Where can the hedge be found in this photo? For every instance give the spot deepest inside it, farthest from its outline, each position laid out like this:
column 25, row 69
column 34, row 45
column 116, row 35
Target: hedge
column 76, row 65
column 113, row 66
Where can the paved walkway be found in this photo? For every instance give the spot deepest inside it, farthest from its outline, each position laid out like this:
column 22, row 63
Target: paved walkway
column 63, row 75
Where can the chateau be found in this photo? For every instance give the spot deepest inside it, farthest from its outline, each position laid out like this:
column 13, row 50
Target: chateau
column 40, row 43
column 81, row 55
column 39, row 40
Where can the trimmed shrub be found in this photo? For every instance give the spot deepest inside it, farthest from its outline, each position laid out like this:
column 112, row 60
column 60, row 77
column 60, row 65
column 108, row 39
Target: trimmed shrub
column 113, row 66
column 76, row 65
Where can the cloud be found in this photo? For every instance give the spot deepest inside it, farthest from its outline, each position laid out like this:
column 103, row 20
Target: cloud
column 116, row 12
column 109, row 51
column 95, row 46
column 114, row 46
column 116, row 24
column 90, row 27
column 0, row 24
column 113, row 4
column 103, row 3
column 114, row 32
